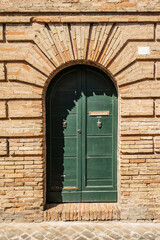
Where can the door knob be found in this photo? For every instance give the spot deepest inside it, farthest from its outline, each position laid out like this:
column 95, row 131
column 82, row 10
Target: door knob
column 79, row 131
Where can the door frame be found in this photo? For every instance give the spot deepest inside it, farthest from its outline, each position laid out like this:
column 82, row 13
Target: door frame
column 54, row 77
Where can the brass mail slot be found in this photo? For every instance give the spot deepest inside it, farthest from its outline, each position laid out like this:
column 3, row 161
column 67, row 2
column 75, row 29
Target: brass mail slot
column 99, row 113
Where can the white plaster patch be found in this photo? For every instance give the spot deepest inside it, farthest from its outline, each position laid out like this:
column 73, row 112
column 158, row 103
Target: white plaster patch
column 143, row 50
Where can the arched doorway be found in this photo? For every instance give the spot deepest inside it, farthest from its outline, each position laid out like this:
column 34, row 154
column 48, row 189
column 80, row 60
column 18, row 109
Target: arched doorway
column 81, row 136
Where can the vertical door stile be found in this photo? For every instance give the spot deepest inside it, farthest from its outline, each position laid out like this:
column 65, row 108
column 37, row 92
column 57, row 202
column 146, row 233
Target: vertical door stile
column 114, row 155
column 84, row 79
column 113, row 139
column 79, row 127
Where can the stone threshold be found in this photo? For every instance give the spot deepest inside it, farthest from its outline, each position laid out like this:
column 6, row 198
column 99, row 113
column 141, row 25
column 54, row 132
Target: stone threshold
column 82, row 212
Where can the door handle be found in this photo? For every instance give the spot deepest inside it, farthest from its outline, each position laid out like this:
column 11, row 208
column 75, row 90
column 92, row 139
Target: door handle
column 99, row 123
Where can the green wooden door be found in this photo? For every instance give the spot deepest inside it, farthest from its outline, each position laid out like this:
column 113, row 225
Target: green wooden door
column 81, row 131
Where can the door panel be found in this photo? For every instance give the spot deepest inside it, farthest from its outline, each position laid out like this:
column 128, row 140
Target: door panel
column 65, row 173
column 94, row 183
column 92, row 128
column 99, row 196
column 81, row 165
column 99, row 164
column 95, row 171
column 99, row 101
column 64, row 100
column 97, row 80
column 63, row 165
column 99, row 145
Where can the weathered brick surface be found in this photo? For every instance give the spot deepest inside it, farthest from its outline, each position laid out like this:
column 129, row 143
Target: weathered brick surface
column 80, row 18
column 2, row 75
column 139, row 71
column 11, row 51
column 140, row 180
column 137, row 145
column 16, row 90
column 22, row 33
column 17, row 127
column 137, row 107
column 80, row 6
column 24, row 73
column 140, row 126
column 83, row 211
column 24, row 108
column 122, row 35
column 25, row 146
column 143, row 89
column 33, row 48
column 1, row 32
column 3, row 146
column 131, row 51
column 157, row 144
column 158, row 70
column 2, row 109
column 157, row 107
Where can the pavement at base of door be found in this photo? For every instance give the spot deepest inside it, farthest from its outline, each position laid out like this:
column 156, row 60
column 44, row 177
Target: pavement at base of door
column 80, row 231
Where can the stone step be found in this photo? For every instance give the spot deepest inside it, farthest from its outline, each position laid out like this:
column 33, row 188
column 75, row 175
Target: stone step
column 82, row 212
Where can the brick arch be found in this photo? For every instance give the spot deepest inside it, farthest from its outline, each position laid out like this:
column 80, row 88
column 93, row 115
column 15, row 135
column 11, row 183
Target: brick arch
column 78, row 62
column 48, row 47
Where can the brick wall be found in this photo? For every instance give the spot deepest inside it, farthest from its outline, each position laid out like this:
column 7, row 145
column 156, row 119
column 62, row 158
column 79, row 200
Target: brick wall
column 33, row 48
column 80, row 5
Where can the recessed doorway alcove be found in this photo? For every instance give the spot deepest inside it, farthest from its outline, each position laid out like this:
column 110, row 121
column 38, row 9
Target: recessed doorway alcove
column 81, row 114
